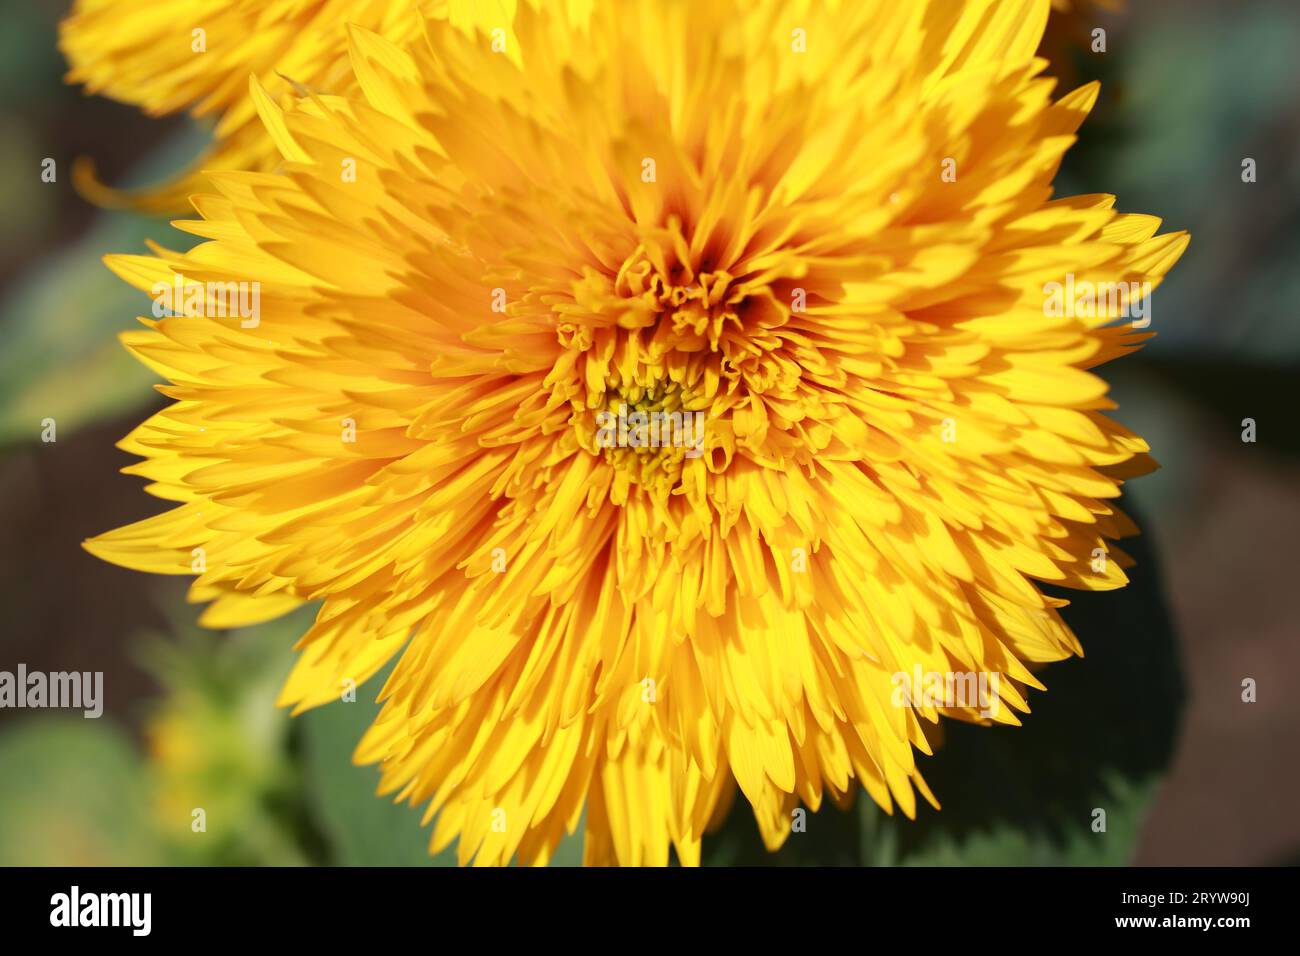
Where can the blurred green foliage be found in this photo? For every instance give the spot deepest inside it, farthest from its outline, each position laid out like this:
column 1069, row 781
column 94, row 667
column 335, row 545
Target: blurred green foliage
column 364, row 829
column 273, row 791
column 367, row 830
column 73, row 792
column 62, row 358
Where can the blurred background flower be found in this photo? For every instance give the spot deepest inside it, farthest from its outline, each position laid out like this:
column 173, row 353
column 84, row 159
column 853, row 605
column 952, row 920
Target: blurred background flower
column 1150, row 725
column 128, row 51
column 222, row 788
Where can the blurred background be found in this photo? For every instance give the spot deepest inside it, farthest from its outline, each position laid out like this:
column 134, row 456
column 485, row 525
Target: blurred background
column 1150, row 726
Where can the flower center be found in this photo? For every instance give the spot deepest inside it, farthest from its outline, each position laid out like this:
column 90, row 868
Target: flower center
column 675, row 360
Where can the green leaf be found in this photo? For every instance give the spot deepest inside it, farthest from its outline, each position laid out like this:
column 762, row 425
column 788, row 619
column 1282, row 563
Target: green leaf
column 364, row 829
column 1008, row 844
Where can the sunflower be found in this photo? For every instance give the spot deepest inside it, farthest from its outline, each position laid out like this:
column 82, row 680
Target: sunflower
column 825, row 229
column 169, row 56
column 155, row 54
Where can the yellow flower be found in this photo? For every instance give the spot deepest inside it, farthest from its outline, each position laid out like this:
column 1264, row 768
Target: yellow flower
column 826, row 227
column 169, row 56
